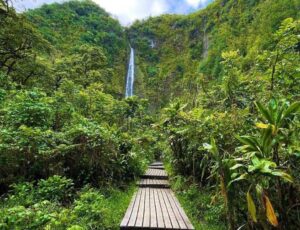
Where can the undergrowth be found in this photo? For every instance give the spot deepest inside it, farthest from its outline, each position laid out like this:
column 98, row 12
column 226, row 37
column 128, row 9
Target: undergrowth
column 29, row 206
column 200, row 204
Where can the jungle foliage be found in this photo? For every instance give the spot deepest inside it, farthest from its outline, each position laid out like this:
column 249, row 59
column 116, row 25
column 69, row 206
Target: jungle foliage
column 231, row 73
column 233, row 121
column 182, row 55
column 68, row 146
column 217, row 99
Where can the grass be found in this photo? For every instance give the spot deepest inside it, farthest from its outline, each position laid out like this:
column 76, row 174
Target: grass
column 198, row 207
column 89, row 208
column 197, row 203
column 117, row 204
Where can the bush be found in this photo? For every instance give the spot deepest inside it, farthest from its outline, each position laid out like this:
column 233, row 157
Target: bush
column 30, row 108
column 26, row 206
column 93, row 209
column 55, row 188
column 33, row 217
column 203, row 207
column 90, row 208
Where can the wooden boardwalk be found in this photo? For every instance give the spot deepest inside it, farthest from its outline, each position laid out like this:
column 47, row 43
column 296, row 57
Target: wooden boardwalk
column 155, row 174
column 154, row 206
column 154, row 183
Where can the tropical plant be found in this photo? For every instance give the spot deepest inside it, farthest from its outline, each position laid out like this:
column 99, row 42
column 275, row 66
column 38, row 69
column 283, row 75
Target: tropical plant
column 221, row 169
column 262, row 160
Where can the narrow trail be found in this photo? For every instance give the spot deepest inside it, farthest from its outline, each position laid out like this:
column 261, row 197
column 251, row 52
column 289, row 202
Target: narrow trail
column 154, row 205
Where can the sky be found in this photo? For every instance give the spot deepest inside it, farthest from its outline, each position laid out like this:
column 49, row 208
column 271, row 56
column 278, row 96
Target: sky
column 127, row 11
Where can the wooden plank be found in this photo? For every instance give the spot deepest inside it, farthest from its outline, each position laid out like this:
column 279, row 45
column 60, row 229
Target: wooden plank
column 154, row 206
column 155, row 174
column 134, row 213
column 156, row 167
column 154, row 183
column 182, row 212
column 128, row 212
column 159, row 214
column 153, row 217
column 141, row 212
column 175, row 210
column 166, row 217
column 172, row 216
column 146, row 221
column 158, row 163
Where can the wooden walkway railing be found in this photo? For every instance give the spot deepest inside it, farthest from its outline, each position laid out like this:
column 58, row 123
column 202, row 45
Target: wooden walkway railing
column 155, row 206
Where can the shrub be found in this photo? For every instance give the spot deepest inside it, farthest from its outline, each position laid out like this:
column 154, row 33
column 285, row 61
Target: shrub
column 20, row 217
column 30, row 108
column 55, row 188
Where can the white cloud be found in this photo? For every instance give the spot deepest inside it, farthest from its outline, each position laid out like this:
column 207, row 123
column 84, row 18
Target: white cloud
column 130, row 10
column 127, row 11
column 196, row 3
column 23, row 5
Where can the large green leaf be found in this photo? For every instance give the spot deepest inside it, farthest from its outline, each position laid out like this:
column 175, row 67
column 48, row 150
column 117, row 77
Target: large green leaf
column 251, row 207
column 259, row 190
column 287, row 177
column 264, row 111
column 273, row 105
column 236, row 166
column 261, row 165
column 241, row 177
column 279, row 116
column 212, row 148
column 293, row 108
column 267, row 139
column 251, row 142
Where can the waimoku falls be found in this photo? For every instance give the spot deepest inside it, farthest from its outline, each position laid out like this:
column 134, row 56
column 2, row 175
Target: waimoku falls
column 130, row 75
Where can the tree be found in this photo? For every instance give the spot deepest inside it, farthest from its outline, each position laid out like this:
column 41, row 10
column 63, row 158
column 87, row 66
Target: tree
column 281, row 60
column 86, row 65
column 18, row 43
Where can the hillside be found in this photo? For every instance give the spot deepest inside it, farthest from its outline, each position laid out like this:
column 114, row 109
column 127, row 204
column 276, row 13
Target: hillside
column 217, row 99
column 98, row 38
column 187, row 50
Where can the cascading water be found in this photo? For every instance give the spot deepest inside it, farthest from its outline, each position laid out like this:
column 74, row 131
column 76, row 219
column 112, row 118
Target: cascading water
column 130, row 75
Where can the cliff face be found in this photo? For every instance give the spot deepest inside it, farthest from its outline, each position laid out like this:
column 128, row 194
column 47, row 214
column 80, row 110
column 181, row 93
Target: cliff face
column 174, row 52
column 176, row 55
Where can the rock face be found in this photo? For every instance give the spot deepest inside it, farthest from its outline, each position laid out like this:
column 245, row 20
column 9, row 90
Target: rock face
column 171, row 50
column 205, row 45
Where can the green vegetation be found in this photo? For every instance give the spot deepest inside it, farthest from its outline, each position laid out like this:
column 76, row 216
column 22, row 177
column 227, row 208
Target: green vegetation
column 204, row 211
column 217, row 99
column 241, row 141
column 68, row 146
column 53, row 204
column 227, row 80
column 230, row 43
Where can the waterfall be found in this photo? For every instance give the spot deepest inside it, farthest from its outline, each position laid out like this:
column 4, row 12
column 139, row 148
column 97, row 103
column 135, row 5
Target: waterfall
column 130, row 75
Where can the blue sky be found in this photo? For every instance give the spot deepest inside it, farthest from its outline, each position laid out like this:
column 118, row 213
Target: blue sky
column 129, row 10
